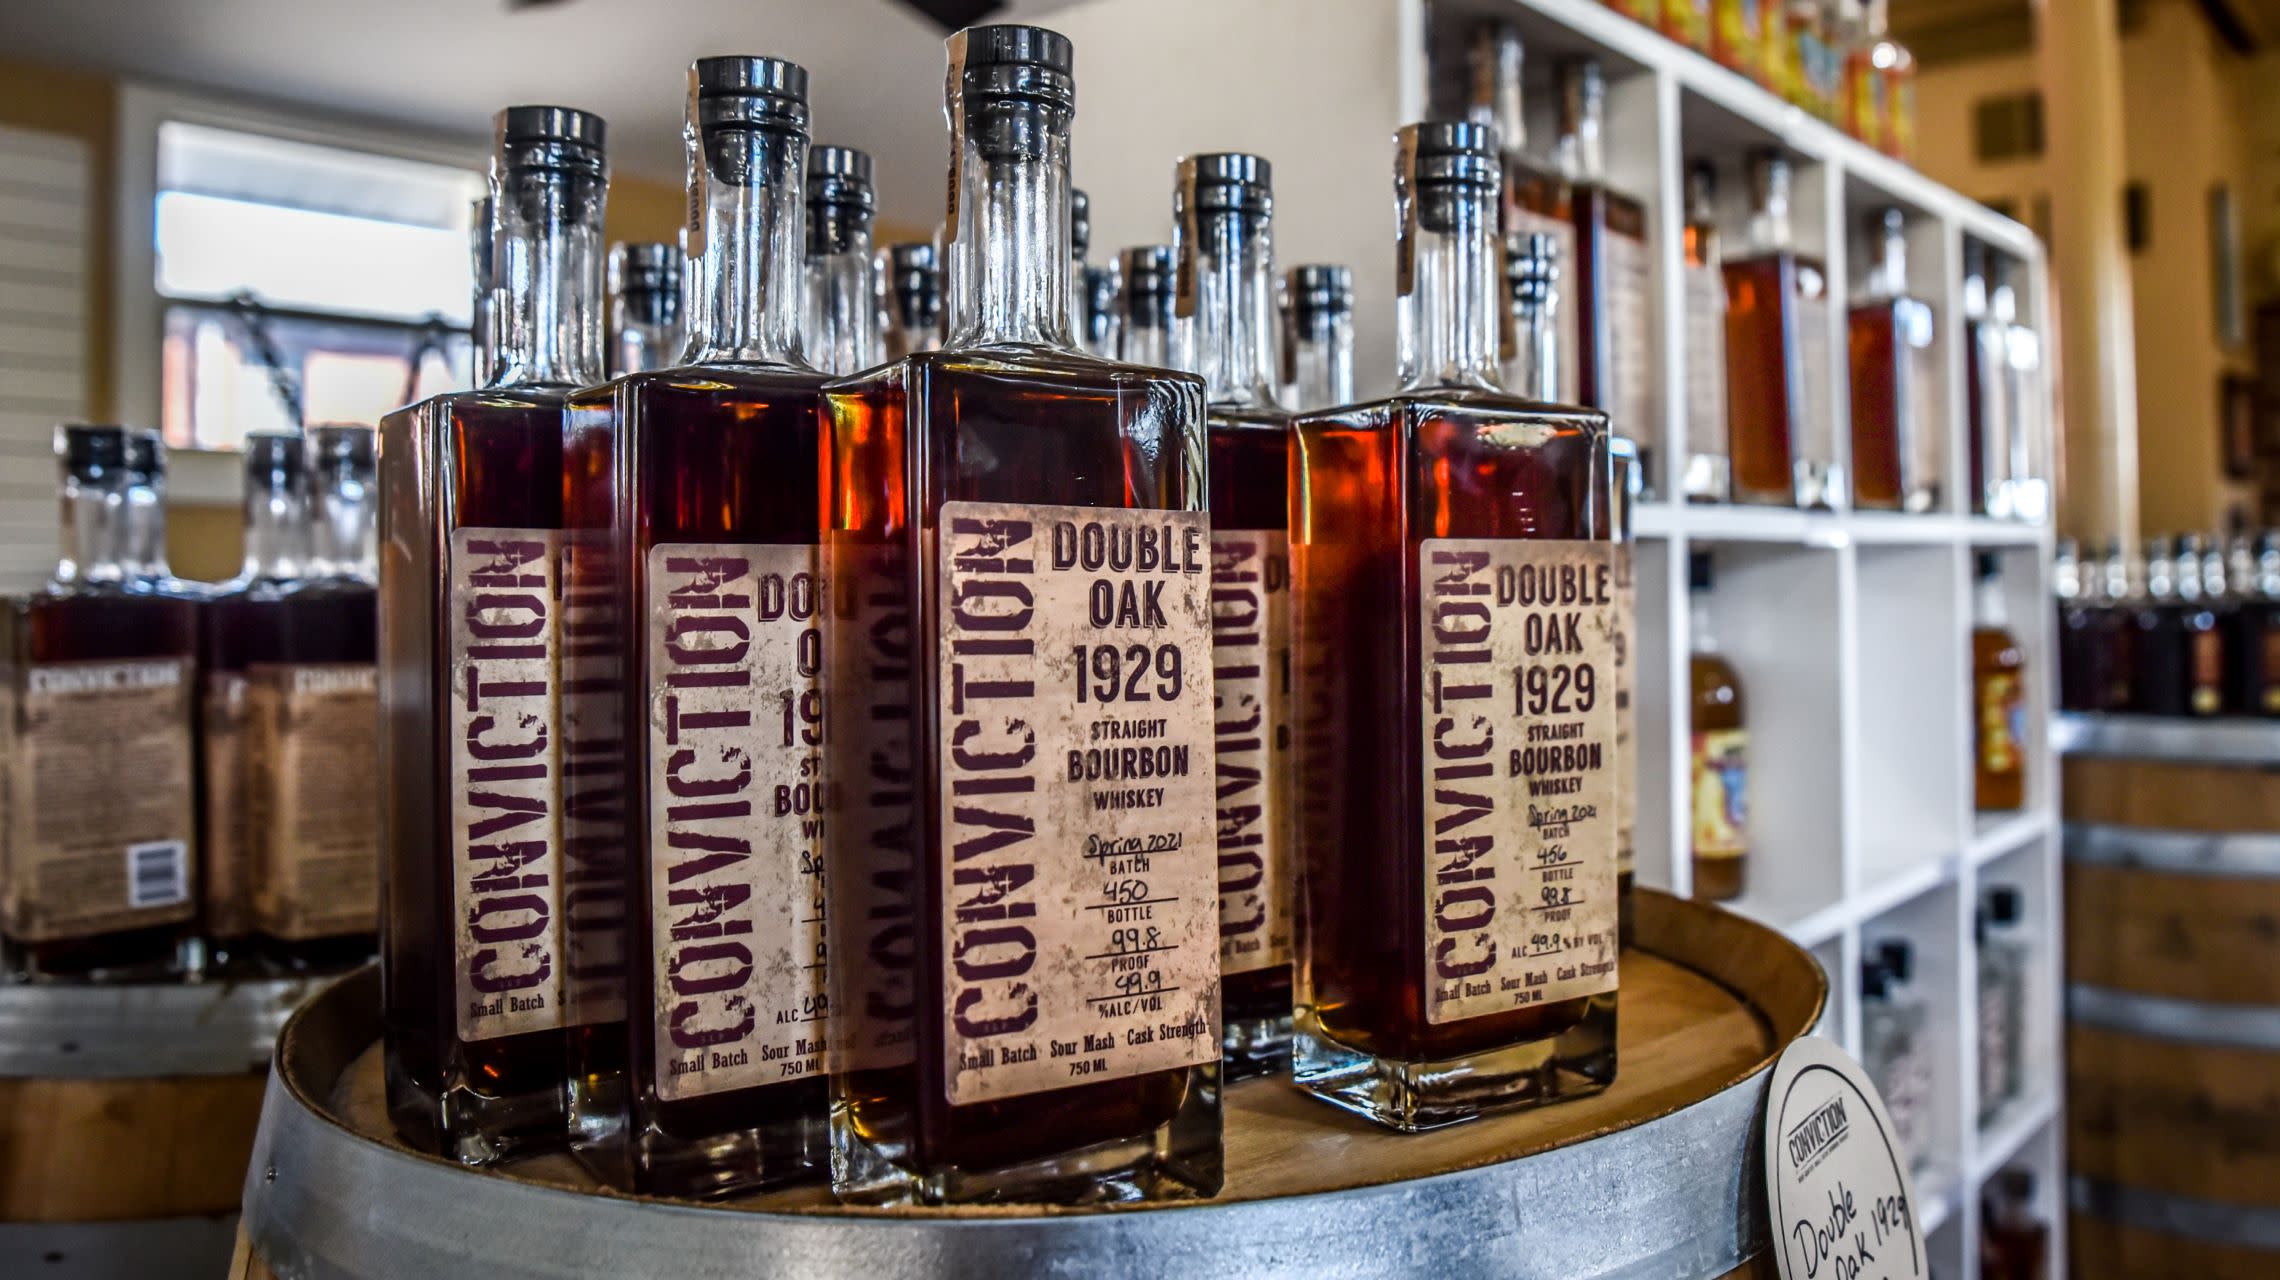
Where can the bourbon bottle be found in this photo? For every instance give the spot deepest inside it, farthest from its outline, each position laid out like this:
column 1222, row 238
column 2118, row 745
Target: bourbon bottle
column 1538, row 198
column 1223, row 211
column 1092, row 289
column 1718, row 772
column 1453, row 575
column 1777, row 357
column 914, row 299
column 645, row 307
column 98, row 827
column 1317, row 336
column 1709, row 463
column 247, row 622
column 144, row 557
column 1145, row 298
column 1895, row 382
column 714, row 471
column 1998, row 697
column 1614, row 285
column 2200, row 626
column 842, row 327
column 471, row 492
column 2081, row 650
column 483, row 311
column 2253, row 647
column 1027, row 972
column 1986, row 357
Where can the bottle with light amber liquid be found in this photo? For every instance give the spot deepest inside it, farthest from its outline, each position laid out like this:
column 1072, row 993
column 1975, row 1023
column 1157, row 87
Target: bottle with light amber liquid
column 1454, row 582
column 1998, row 697
column 1223, row 212
column 1025, row 893
column 1895, row 382
column 914, row 299
column 1614, row 287
column 1317, row 336
column 474, row 1006
column 1777, row 357
column 1538, row 197
column 711, row 469
column 1709, row 467
column 1719, row 751
column 97, row 680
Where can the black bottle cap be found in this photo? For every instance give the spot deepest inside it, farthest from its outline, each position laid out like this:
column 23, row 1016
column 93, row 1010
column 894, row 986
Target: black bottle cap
column 1227, row 182
column 545, row 137
column 647, row 267
column 1888, row 219
column 910, row 257
column 1875, row 979
column 1531, row 267
column 146, row 456
column 1320, row 288
column 2005, row 905
column 272, row 458
column 1014, row 61
column 1080, row 223
column 92, row 449
column 1146, row 281
column 1700, row 575
column 1702, row 177
column 839, row 197
column 1898, row 957
column 1451, row 153
column 1986, row 564
column 744, row 92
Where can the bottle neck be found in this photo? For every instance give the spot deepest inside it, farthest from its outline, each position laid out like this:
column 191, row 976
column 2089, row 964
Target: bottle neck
column 641, row 347
column 1497, row 62
column 1322, row 361
column 1534, row 370
column 276, row 528
column 93, row 530
column 1699, row 628
column 1988, row 606
column 749, row 252
column 844, row 323
column 547, row 301
column 1225, row 314
column 145, row 532
column 1145, row 337
column 1010, row 252
column 1581, row 153
column 1888, row 278
column 1450, row 299
column 344, row 532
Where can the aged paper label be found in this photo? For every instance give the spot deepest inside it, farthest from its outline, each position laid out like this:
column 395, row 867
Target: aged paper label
column 735, row 770
column 1815, row 430
column 1836, row 1172
column 100, row 815
column 1251, row 710
column 596, row 895
column 1630, row 317
column 1705, row 300
column 1080, row 887
column 1517, row 730
column 505, row 781
column 1624, row 663
column 1720, row 779
column 311, row 750
column 227, row 895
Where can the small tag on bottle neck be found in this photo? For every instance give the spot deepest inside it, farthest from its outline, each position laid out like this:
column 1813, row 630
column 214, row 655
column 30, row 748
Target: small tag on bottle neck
column 1838, row 1190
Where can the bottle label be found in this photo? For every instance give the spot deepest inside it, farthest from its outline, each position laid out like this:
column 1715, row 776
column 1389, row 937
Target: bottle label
column 1250, row 652
column 1738, row 27
column 2208, row 659
column 1816, row 424
column 1721, row 784
column 99, row 817
column 1687, row 21
column 310, row 758
column 505, row 743
column 1624, row 663
column 595, row 756
column 1075, row 815
column 226, row 896
column 1705, row 300
column 1520, row 781
column 2002, row 717
column 1630, row 313
column 736, row 885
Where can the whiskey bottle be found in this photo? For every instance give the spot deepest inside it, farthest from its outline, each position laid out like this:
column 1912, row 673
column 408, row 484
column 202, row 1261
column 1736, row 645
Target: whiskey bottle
column 246, row 622
column 471, row 497
column 2081, row 652
column 1998, row 697
column 1092, row 289
column 482, row 312
column 2000, row 947
column 2253, row 647
column 309, row 751
column 1893, row 1045
column 1986, row 358
column 715, row 536
column 1223, row 212
column 1614, row 286
column 99, row 821
column 1895, row 382
column 2014, row 1243
column 145, row 557
column 2122, row 592
column 1028, row 997
column 2157, row 636
column 1432, row 532
column 2200, row 627
column 1317, row 337
column 1777, row 363
column 1709, row 469
column 842, row 328
column 1538, row 199
column 1531, row 340
column 645, row 307
column 914, row 299
column 1719, row 750
column 1144, row 305
column 2016, row 364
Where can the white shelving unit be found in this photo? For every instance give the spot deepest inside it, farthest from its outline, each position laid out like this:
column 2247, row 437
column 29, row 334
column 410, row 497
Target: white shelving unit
column 1851, row 630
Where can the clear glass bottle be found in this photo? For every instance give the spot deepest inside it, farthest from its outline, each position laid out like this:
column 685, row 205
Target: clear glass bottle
column 2253, row 648
column 1989, row 431
column 913, row 287
column 712, row 487
column 99, row 825
column 246, row 622
column 2018, row 382
column 1998, row 696
column 1223, row 218
column 483, row 313
column 471, row 498
column 1092, row 289
column 1781, row 420
column 1043, row 512
column 1531, row 342
column 1719, row 736
column 1426, row 989
column 1145, row 298
column 841, row 330
column 1613, row 287
column 145, row 555
column 645, row 307
column 1317, row 336
column 1895, row 381
column 1709, row 463
column 1893, row 1046
column 2002, row 953
column 1538, row 198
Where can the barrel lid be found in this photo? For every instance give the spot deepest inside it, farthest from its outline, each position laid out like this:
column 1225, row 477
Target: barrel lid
column 86, row 1030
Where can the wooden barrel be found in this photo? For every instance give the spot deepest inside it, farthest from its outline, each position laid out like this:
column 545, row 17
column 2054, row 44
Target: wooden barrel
column 2173, row 996
column 127, row 1115
column 1659, row 1175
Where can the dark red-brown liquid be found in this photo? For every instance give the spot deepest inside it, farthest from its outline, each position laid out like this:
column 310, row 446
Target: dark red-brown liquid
column 239, row 626
column 1373, row 483
column 945, row 427
column 1601, row 215
column 1765, row 395
column 105, row 625
column 1882, row 418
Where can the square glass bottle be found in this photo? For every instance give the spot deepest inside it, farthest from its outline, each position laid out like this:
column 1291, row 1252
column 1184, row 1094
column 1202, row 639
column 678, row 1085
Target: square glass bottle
column 1317, row 336
column 474, row 1004
column 1538, row 197
column 1453, row 566
column 1780, row 418
column 1613, row 289
column 914, row 299
column 1895, row 383
column 844, row 323
column 1026, row 997
column 1709, row 465
column 1222, row 218
column 645, row 307
column 711, row 488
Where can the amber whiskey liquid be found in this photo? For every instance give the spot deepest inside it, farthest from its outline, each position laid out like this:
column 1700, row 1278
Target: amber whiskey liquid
column 1613, row 287
column 1895, row 453
column 1719, row 746
column 1999, row 700
column 1777, row 406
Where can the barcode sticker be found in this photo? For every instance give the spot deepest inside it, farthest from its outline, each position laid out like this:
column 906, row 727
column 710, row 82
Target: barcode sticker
column 158, row 873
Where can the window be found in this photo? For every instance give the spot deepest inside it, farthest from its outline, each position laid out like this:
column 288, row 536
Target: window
column 303, row 283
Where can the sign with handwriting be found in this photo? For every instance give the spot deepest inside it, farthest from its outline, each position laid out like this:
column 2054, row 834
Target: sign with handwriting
column 1837, row 1187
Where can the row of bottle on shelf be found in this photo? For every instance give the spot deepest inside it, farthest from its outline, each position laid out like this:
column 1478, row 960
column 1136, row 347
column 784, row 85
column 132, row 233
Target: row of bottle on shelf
column 188, row 769
column 1835, row 59
column 2189, row 626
